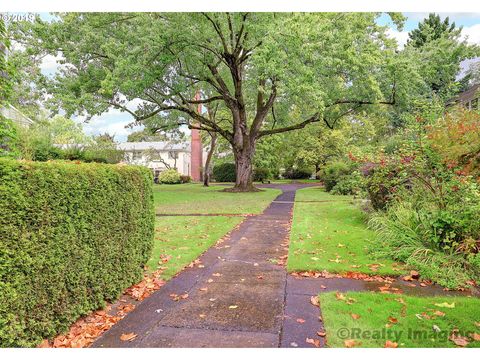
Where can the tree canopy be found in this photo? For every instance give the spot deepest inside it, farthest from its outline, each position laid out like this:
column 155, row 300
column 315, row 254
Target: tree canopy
column 271, row 72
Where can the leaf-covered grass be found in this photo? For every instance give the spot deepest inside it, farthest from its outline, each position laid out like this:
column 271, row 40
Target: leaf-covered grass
column 331, row 235
column 181, row 239
column 197, row 199
column 406, row 320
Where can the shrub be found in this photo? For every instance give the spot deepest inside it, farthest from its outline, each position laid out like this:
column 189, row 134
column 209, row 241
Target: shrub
column 184, row 179
column 261, row 174
column 170, row 176
column 72, row 236
column 8, row 138
column 333, row 172
column 224, row 172
column 348, row 185
column 295, row 173
column 381, row 183
column 405, row 234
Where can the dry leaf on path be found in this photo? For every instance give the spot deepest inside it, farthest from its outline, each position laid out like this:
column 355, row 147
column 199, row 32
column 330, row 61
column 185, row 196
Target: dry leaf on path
column 128, row 337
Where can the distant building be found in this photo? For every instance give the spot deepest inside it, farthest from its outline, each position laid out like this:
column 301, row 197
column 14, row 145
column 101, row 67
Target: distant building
column 470, row 99
column 12, row 113
column 160, row 156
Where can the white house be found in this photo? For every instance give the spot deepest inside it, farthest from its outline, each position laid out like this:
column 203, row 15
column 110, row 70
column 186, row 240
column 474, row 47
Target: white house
column 159, row 155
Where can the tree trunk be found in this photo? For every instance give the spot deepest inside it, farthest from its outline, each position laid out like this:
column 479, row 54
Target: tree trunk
column 207, row 169
column 244, row 170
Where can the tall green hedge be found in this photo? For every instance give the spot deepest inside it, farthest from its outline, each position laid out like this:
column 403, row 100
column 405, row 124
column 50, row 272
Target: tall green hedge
column 72, row 235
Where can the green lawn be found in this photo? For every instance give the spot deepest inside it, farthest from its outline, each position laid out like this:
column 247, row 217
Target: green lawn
column 197, row 199
column 181, row 239
column 331, row 235
column 406, row 320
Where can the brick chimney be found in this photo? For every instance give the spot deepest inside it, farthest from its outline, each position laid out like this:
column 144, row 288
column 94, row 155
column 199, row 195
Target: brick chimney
column 197, row 149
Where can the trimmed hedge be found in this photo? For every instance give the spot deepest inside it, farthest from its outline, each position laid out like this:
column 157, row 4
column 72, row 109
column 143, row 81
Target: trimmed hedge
column 72, row 236
column 224, row 172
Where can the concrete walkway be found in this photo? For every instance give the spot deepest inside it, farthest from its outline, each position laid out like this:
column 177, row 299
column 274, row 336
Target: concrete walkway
column 237, row 299
column 238, row 296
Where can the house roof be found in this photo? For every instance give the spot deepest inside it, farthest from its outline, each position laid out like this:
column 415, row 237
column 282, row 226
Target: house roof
column 155, row 145
column 12, row 113
column 469, row 94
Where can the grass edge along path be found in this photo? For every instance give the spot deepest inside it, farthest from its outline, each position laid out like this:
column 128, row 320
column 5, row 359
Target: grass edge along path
column 329, row 233
column 367, row 319
column 179, row 240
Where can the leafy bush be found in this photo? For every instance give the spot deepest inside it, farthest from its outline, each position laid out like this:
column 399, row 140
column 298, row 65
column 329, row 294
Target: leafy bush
column 381, row 183
column 348, row 184
column 184, row 179
column 8, row 138
column 72, row 235
column 224, row 172
column 170, row 176
column 405, row 234
column 295, row 173
column 333, row 173
column 261, row 174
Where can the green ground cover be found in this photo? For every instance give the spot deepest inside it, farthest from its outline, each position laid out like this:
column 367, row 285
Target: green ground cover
column 195, row 198
column 331, row 235
column 370, row 319
column 181, row 239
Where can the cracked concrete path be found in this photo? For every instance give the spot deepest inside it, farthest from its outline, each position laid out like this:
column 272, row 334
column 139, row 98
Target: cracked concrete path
column 236, row 299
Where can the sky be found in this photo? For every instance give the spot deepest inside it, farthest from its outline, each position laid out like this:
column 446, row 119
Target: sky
column 114, row 121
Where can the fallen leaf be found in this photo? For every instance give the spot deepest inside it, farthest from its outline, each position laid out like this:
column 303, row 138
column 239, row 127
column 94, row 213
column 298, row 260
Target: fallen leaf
column 184, row 296
column 300, row 321
column 209, row 280
column 349, row 343
column 217, row 274
column 423, row 284
column 314, row 301
column 294, row 344
column 446, row 305
column 390, row 344
column 321, row 333
column 392, row 320
column 44, row 344
column 459, row 340
column 355, row 316
column 203, row 289
column 314, row 342
column 477, row 323
column 438, row 313
column 233, row 306
column 323, row 287
column 128, row 337
column 339, row 296
column 203, row 316
column 414, row 274
column 436, row 328
column 475, row 336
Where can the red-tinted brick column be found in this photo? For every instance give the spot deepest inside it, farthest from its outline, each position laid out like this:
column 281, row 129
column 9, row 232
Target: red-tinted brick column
column 197, row 151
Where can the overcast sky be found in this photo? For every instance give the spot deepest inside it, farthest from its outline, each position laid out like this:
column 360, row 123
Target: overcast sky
column 114, row 121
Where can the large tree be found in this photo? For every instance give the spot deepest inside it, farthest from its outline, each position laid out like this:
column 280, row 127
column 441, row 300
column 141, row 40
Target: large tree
column 439, row 48
column 260, row 67
column 431, row 29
